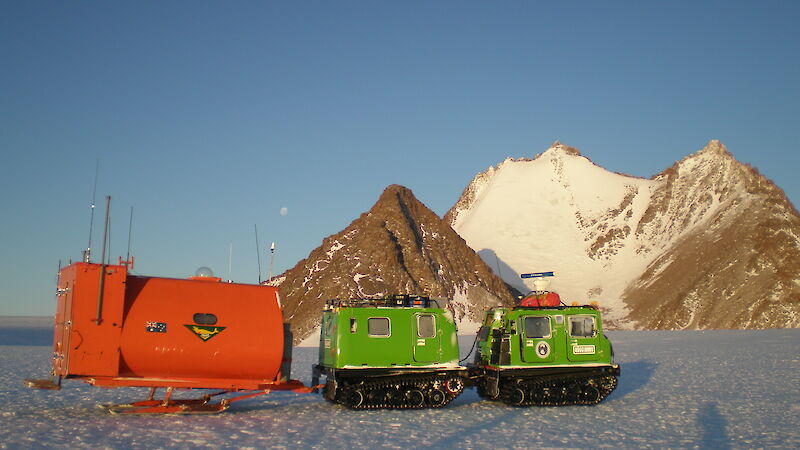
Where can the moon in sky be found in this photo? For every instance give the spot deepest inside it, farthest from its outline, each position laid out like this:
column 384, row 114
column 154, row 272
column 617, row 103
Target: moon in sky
column 284, row 211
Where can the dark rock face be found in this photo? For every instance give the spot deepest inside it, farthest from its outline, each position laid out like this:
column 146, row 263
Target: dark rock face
column 398, row 247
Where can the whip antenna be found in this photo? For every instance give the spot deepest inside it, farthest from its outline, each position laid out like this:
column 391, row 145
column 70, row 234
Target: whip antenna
column 130, row 229
column 87, row 254
column 258, row 254
column 230, row 262
column 98, row 319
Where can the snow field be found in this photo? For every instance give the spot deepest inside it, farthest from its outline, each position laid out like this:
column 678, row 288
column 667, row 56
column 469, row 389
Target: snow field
column 678, row 389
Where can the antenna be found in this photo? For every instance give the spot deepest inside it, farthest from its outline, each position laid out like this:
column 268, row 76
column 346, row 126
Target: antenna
column 230, row 261
column 258, row 254
column 271, row 258
column 130, row 229
column 87, row 254
column 540, row 279
column 108, row 237
column 537, row 275
column 98, row 318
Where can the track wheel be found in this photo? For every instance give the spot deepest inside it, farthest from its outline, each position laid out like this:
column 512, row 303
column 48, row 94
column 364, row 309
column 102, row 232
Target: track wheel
column 355, row 398
column 608, row 383
column 574, row 393
column 415, row 397
column 376, row 396
column 590, row 395
column 516, row 396
column 536, row 395
column 454, row 385
column 436, row 397
column 394, row 396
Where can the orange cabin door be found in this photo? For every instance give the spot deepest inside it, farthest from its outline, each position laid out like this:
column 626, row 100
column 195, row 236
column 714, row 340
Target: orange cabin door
column 61, row 327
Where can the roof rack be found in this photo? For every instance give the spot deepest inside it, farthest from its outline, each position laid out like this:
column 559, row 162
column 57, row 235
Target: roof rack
column 561, row 306
column 389, row 301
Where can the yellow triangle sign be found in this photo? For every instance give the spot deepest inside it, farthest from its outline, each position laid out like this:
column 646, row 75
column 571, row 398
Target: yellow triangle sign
column 204, row 332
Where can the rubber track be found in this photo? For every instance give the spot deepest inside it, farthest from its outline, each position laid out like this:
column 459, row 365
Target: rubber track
column 425, row 383
column 562, row 390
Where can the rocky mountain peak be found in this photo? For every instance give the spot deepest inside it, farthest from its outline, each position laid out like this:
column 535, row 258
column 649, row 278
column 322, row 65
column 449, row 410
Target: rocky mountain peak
column 399, row 246
column 716, row 146
column 399, row 202
column 557, row 148
column 396, row 191
column 713, row 157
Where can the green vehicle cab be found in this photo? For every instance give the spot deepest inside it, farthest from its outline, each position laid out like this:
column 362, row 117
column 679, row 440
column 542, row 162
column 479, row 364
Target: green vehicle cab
column 544, row 355
column 394, row 352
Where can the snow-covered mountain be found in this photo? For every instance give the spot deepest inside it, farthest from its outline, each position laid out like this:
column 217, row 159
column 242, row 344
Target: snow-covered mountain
column 708, row 243
column 398, row 247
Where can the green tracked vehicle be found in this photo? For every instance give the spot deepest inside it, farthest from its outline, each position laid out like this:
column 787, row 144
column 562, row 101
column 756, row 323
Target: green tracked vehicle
column 544, row 354
column 394, row 352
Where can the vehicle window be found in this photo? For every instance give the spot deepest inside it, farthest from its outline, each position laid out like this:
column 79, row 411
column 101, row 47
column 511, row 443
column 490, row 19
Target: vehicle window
column 426, row 326
column 537, row 327
column 581, row 326
column 353, row 325
column 378, row 326
column 204, row 319
column 329, row 327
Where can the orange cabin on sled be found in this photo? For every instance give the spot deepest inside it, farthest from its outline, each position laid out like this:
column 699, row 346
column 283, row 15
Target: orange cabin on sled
column 149, row 331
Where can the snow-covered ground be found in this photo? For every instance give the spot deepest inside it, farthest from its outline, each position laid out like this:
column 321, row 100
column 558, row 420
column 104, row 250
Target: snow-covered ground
column 678, row 389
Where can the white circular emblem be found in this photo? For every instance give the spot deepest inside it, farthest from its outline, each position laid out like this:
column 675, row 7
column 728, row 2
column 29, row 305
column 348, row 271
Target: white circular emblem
column 543, row 349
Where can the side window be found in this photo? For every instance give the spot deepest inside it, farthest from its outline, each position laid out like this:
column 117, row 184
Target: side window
column 204, row 319
column 330, row 326
column 537, row 327
column 426, row 326
column 581, row 326
column 353, row 325
column 378, row 327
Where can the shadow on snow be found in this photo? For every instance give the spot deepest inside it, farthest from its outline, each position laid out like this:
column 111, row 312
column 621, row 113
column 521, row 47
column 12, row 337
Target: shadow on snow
column 633, row 376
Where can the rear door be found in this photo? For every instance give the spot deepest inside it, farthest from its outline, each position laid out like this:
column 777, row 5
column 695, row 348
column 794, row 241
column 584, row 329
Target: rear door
column 427, row 340
column 583, row 340
column 536, row 339
column 63, row 323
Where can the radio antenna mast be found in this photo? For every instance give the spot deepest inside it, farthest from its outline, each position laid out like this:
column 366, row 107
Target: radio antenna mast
column 258, row 254
column 130, row 230
column 230, row 262
column 87, row 254
column 98, row 318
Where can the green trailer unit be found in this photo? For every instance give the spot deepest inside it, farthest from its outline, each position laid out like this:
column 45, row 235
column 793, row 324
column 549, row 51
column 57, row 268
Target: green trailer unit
column 394, row 352
column 544, row 355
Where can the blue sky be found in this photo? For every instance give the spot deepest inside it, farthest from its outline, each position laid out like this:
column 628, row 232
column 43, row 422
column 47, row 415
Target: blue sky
column 209, row 117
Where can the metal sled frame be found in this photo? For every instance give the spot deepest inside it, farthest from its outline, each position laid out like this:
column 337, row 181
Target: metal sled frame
column 207, row 404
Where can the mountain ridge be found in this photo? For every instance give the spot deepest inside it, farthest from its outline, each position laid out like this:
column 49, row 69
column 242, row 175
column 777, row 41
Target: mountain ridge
column 608, row 234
